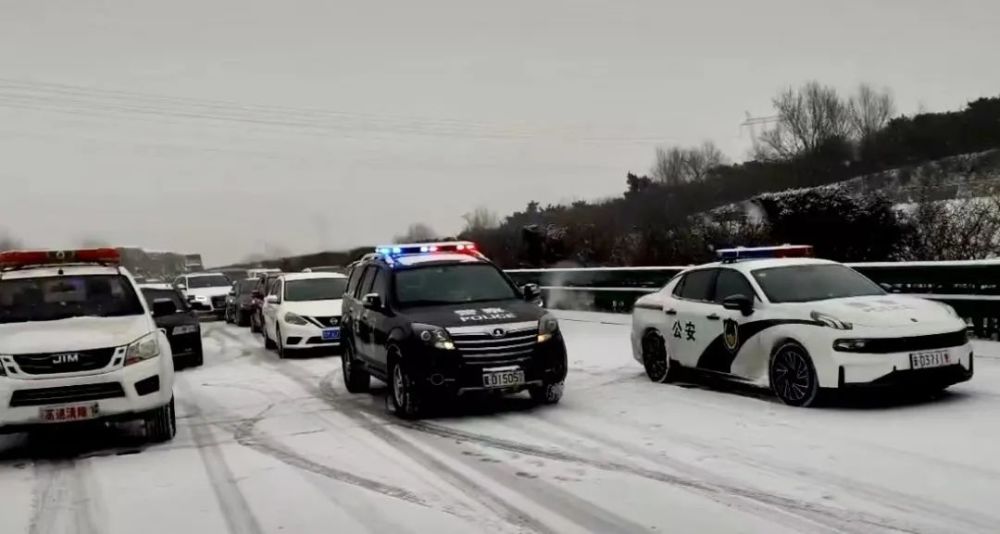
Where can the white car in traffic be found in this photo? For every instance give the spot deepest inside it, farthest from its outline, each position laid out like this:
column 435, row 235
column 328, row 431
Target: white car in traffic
column 303, row 311
column 798, row 325
column 78, row 343
column 205, row 292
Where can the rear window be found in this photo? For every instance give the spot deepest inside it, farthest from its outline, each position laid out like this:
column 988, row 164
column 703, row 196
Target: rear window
column 152, row 295
column 245, row 287
column 215, row 280
column 697, row 285
column 63, row 297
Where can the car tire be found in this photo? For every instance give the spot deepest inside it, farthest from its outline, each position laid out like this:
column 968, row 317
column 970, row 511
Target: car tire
column 547, row 393
column 242, row 318
column 278, row 344
column 656, row 359
column 793, row 375
column 268, row 344
column 161, row 423
column 356, row 379
column 405, row 400
column 197, row 359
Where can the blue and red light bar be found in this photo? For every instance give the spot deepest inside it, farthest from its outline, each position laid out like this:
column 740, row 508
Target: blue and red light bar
column 25, row 258
column 466, row 247
column 756, row 253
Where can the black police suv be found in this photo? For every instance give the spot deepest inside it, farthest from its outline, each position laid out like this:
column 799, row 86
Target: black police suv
column 182, row 327
column 440, row 320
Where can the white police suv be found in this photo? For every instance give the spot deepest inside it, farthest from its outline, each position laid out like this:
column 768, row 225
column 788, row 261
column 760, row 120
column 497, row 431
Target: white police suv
column 78, row 343
column 775, row 316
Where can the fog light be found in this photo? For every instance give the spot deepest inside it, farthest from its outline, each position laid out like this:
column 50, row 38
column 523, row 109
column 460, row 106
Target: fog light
column 437, row 379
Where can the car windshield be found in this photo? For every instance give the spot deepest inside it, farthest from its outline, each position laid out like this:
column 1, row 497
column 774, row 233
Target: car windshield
column 215, row 280
column 806, row 283
column 246, row 287
column 63, row 297
column 152, row 295
column 451, row 284
column 315, row 289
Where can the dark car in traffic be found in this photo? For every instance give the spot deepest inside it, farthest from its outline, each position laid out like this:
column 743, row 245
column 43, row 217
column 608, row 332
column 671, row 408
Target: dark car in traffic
column 239, row 302
column 437, row 321
column 264, row 284
column 182, row 327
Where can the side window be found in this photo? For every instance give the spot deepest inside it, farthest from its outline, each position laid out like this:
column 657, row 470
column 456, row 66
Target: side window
column 381, row 284
column 731, row 283
column 698, row 285
column 366, row 281
column 680, row 286
column 352, row 279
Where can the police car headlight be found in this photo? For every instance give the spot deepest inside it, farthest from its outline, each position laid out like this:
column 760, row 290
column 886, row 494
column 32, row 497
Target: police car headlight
column 295, row 319
column 830, row 321
column 434, row 336
column 185, row 329
column 547, row 327
column 850, row 345
column 144, row 348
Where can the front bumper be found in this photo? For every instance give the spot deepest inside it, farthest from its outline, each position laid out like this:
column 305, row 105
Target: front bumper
column 22, row 400
column 306, row 337
column 895, row 370
column 452, row 372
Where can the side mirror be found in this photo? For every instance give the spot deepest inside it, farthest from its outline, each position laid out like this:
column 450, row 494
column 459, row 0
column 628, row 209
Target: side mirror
column 740, row 303
column 531, row 291
column 271, row 299
column 162, row 307
column 373, row 301
column 181, row 287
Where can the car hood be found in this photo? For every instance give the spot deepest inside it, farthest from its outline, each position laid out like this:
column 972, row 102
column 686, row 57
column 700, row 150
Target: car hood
column 314, row 308
column 77, row 333
column 207, row 291
column 476, row 313
column 885, row 311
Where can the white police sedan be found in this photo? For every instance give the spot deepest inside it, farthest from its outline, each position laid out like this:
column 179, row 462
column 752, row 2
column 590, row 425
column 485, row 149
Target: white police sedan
column 775, row 316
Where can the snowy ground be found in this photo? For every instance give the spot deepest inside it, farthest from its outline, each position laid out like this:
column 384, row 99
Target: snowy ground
column 268, row 446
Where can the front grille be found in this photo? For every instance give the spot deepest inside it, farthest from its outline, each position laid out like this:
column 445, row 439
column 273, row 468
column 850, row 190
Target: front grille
column 326, row 321
column 316, row 340
column 485, row 348
column 66, row 394
column 914, row 343
column 218, row 302
column 64, row 362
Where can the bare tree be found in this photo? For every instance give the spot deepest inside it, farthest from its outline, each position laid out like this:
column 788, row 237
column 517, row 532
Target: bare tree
column 956, row 229
column 417, row 233
column 808, row 117
column 676, row 165
column 870, row 110
column 481, row 218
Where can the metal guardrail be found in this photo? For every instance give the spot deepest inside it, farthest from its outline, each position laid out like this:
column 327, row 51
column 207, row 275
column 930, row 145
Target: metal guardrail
column 971, row 287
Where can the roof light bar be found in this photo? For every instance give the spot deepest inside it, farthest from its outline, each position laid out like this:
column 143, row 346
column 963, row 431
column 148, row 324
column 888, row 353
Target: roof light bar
column 24, row 258
column 747, row 253
column 424, row 248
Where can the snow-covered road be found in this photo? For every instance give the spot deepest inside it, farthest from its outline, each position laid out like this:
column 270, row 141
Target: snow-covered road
column 268, row 445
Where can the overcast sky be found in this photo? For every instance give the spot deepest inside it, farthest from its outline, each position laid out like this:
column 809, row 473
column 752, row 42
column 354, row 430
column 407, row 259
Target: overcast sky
column 228, row 127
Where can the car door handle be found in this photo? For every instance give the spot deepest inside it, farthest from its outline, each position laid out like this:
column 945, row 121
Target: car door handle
column 712, row 317
column 670, row 312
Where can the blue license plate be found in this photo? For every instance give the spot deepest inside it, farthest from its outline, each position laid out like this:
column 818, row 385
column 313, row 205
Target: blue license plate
column 331, row 334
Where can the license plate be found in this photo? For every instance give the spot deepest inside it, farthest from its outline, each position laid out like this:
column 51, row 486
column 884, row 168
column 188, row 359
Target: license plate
column 62, row 414
column 503, row 379
column 922, row 360
column 331, row 334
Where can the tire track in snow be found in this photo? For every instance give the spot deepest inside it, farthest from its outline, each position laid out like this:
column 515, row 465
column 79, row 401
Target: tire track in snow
column 62, row 501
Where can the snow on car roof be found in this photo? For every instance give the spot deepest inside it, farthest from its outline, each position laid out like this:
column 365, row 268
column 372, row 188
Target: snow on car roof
column 201, row 275
column 310, row 276
column 63, row 270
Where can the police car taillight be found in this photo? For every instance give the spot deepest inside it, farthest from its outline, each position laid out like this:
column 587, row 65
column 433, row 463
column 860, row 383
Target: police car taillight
column 466, row 247
column 783, row 251
column 24, row 258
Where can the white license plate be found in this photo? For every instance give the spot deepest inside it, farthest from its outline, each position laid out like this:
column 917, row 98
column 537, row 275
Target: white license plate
column 503, row 379
column 923, row 360
column 62, row 414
